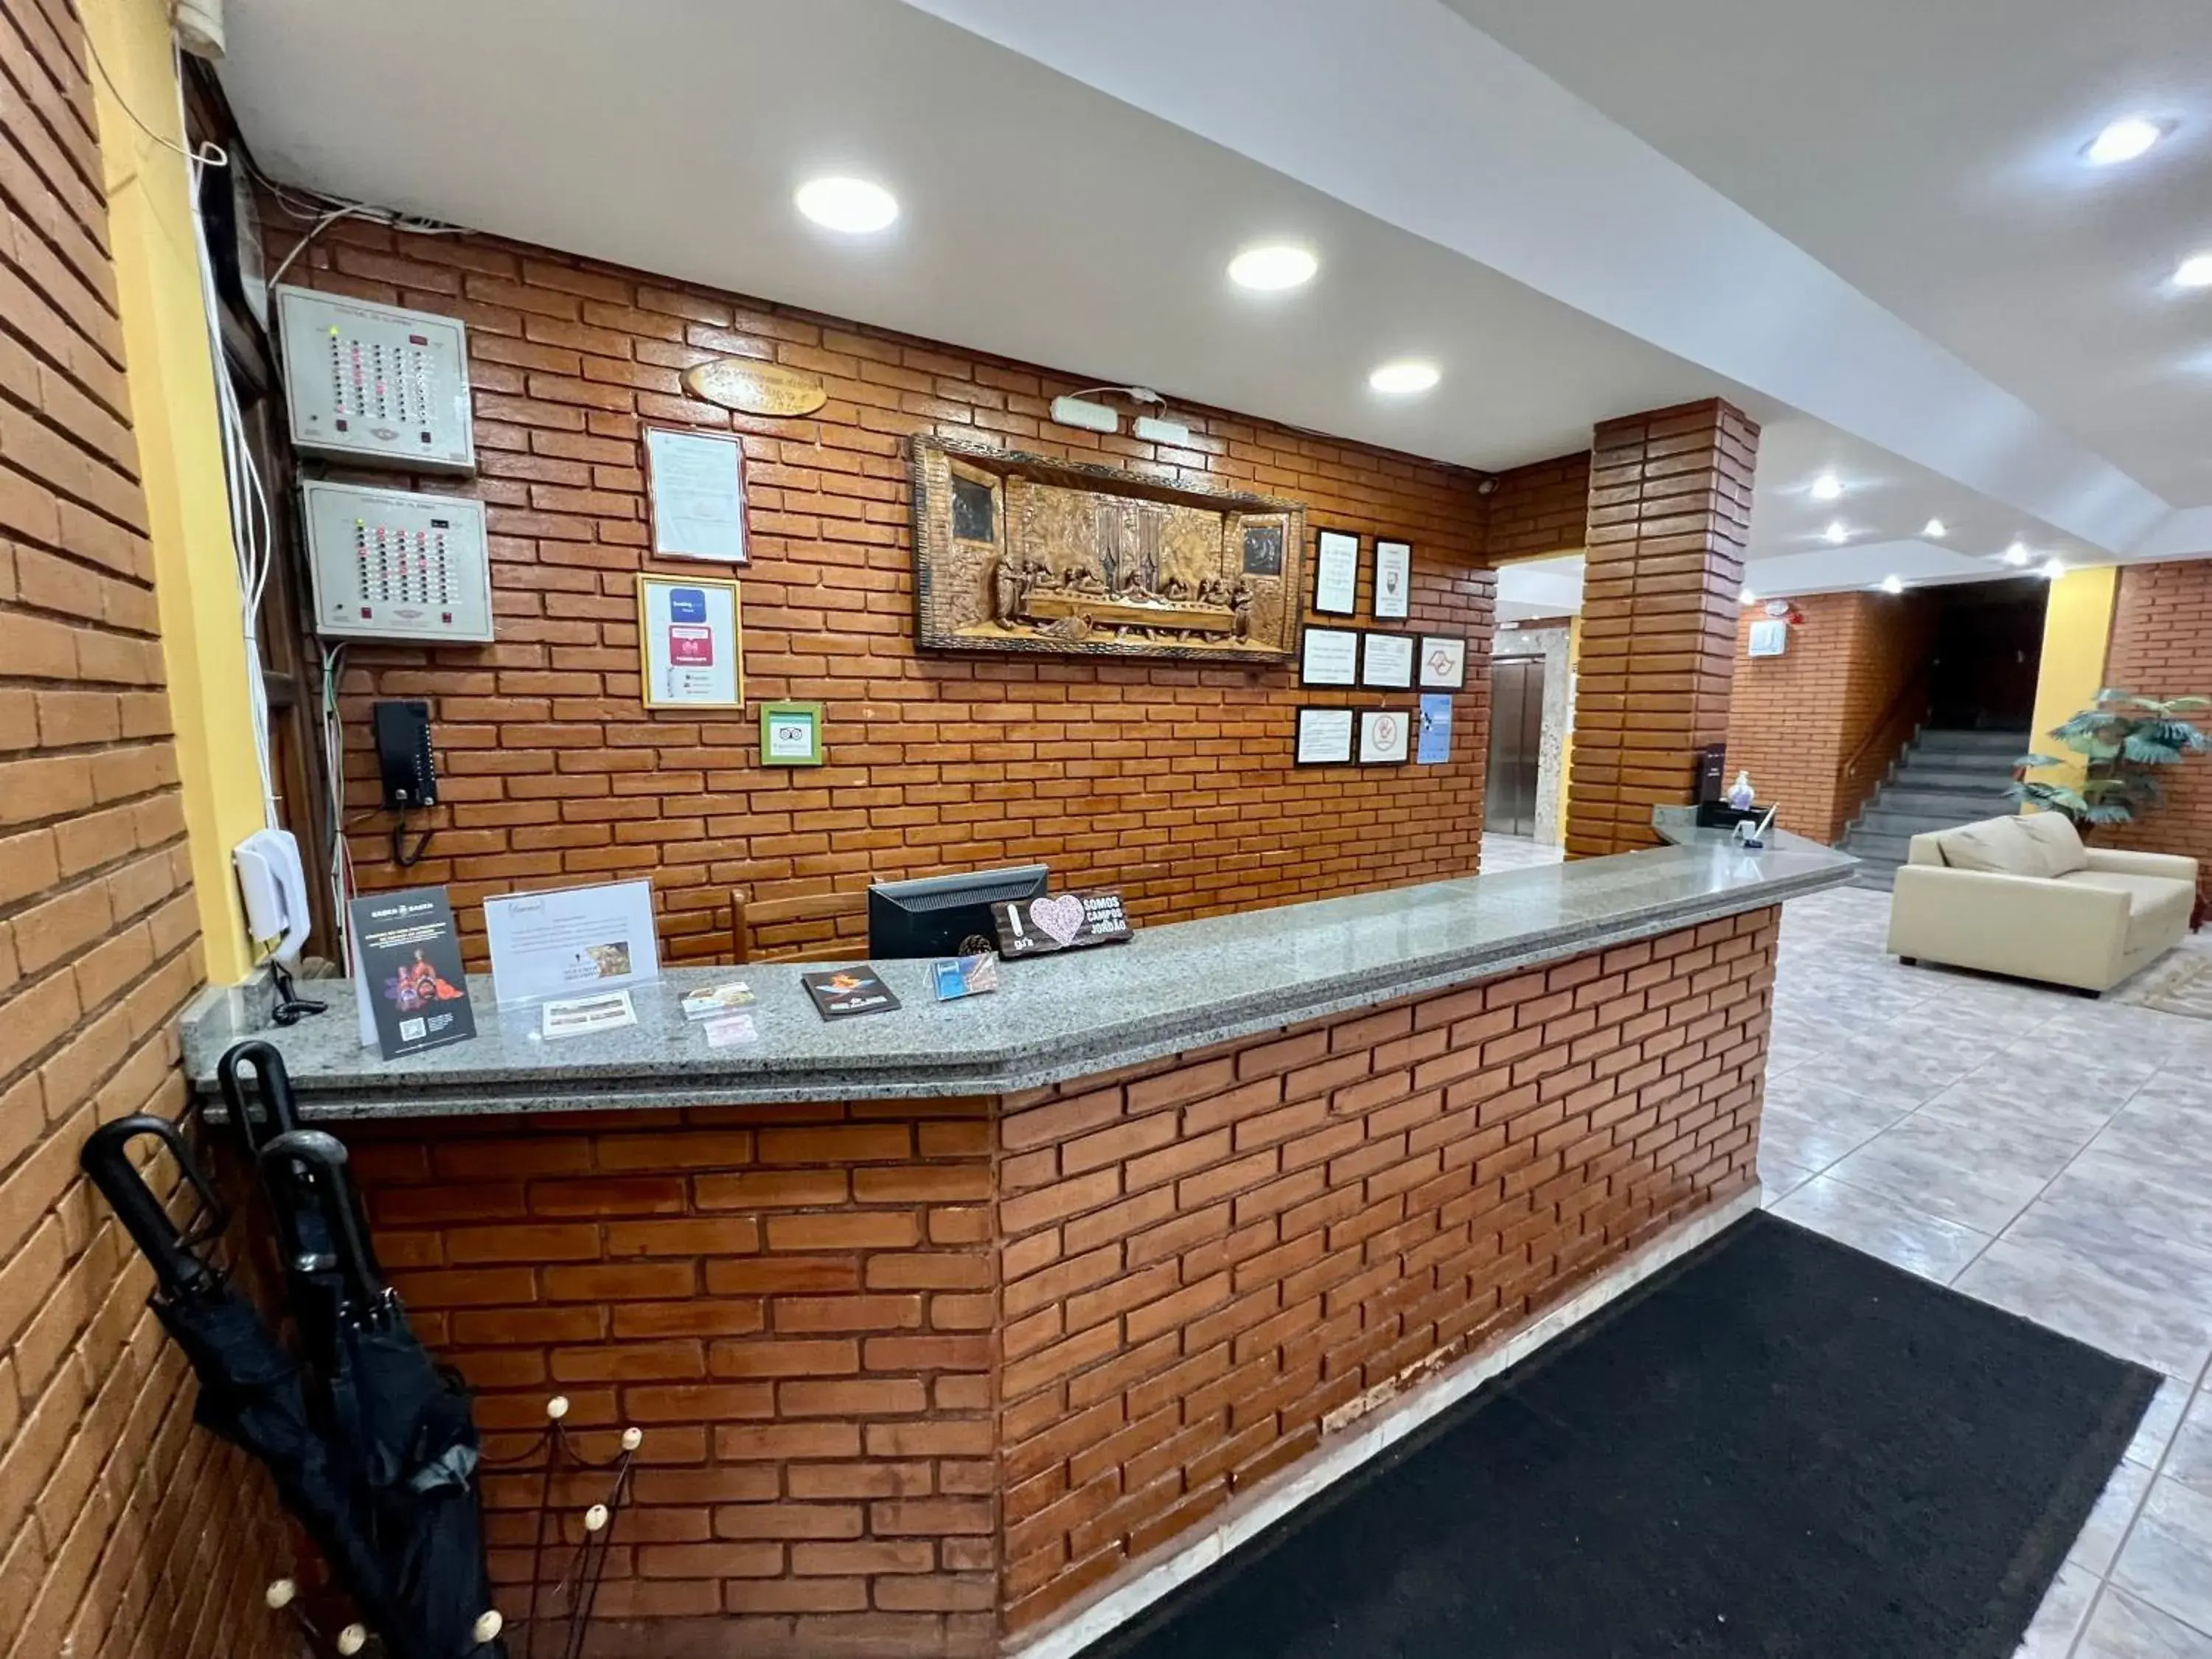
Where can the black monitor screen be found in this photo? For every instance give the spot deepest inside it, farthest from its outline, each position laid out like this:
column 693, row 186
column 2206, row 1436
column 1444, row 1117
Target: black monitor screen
column 938, row 916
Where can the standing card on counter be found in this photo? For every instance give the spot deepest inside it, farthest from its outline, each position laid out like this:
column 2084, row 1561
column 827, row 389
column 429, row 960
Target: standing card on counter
column 571, row 942
column 844, row 992
column 407, row 972
column 1062, row 921
column 964, row 976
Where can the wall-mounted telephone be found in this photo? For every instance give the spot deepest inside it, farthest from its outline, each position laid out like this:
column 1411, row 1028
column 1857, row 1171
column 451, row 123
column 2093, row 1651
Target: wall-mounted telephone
column 273, row 884
column 404, row 760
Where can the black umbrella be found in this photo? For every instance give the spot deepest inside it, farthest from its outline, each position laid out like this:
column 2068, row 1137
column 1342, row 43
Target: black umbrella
column 262, row 1111
column 407, row 1421
column 250, row 1389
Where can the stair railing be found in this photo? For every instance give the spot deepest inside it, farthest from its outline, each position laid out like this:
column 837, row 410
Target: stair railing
column 1905, row 710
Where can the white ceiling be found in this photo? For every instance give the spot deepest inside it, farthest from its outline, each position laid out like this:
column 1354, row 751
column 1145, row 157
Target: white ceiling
column 1072, row 189
column 1928, row 153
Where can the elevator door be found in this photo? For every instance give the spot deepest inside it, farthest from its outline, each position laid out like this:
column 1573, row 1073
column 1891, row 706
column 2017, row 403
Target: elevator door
column 1516, row 737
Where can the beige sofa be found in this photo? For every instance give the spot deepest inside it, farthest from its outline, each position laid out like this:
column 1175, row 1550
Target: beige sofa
column 2022, row 895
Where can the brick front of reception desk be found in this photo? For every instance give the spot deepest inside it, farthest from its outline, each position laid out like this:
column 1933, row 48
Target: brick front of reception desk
column 922, row 1377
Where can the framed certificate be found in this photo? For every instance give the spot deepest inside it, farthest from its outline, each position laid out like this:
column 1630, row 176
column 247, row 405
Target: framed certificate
column 1336, row 573
column 695, row 483
column 691, row 642
column 1443, row 663
column 1387, row 660
column 1393, row 579
column 1329, row 656
column 1385, row 737
column 1324, row 737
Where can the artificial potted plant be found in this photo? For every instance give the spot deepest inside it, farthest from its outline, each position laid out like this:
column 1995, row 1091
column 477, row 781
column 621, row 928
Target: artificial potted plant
column 2124, row 740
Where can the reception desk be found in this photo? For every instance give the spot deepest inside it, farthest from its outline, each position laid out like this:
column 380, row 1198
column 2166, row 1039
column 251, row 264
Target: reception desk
column 976, row 1326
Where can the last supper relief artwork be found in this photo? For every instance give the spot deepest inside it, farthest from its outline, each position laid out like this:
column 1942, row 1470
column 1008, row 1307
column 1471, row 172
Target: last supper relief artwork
column 1017, row 552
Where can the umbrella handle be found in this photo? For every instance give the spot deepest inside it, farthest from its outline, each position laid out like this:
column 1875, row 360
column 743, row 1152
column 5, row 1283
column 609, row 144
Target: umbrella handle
column 270, row 1081
column 339, row 1201
column 105, row 1161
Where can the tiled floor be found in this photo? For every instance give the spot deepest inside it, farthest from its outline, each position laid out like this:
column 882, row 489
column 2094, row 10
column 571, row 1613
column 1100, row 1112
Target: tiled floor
column 2040, row 1150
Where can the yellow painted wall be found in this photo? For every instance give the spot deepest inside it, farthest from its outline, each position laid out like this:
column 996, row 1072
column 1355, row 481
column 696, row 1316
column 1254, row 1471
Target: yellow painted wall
column 2077, row 625
column 172, row 406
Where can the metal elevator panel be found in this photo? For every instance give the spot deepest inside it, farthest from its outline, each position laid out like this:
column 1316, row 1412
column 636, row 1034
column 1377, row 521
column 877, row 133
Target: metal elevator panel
column 1516, row 738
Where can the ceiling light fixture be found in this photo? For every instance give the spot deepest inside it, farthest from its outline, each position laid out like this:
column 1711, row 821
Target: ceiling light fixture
column 2125, row 140
column 2194, row 271
column 1892, row 584
column 1827, row 487
column 2017, row 554
column 1934, row 530
column 2052, row 570
column 1750, row 598
column 1402, row 379
column 1272, row 266
column 1838, row 532
column 851, row 205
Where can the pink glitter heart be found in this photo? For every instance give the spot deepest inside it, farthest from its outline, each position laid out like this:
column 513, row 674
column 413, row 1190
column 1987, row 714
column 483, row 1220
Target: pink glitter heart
column 1060, row 919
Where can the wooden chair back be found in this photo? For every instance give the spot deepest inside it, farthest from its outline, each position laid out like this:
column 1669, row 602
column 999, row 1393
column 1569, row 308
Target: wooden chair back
column 750, row 918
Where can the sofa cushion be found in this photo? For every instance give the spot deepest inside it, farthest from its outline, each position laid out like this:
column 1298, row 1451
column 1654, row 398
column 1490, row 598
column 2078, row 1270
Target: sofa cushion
column 2057, row 844
column 2151, row 899
column 1994, row 845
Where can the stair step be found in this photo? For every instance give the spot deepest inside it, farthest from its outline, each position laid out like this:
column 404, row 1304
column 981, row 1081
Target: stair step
column 1874, row 844
column 1928, row 774
column 2011, row 743
column 1880, row 819
column 1967, row 804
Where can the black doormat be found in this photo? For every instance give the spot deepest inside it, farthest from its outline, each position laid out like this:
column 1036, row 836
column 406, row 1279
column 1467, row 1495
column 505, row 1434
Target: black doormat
column 1777, row 1446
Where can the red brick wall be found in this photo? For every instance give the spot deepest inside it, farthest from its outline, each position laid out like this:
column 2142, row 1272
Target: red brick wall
column 1174, row 782
column 1819, row 726
column 795, row 1302
column 123, row 1529
column 908, row 1384
column 2161, row 647
column 1670, row 514
column 1201, row 1263
column 1542, row 507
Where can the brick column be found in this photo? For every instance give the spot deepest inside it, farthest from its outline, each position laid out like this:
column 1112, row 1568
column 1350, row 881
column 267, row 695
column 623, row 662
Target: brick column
column 1669, row 513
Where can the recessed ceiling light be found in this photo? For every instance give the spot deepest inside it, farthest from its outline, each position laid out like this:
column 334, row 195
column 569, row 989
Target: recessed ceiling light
column 2124, row 140
column 1934, row 530
column 2194, row 271
column 1892, row 584
column 1839, row 532
column 1400, row 379
column 1827, row 487
column 1750, row 598
column 851, row 205
column 2053, row 569
column 2017, row 554
column 1274, row 265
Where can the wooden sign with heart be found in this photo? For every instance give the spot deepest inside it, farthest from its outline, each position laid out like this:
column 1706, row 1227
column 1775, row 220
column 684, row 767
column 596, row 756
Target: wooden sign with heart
column 1062, row 921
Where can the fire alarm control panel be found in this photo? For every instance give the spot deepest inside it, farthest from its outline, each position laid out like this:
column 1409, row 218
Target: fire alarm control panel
column 371, row 383
column 389, row 565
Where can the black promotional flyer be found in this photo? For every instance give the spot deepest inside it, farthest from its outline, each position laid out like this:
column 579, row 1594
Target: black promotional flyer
column 409, row 960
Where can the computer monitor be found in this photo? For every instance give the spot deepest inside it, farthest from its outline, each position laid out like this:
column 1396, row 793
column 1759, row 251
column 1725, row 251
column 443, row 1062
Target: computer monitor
column 936, row 915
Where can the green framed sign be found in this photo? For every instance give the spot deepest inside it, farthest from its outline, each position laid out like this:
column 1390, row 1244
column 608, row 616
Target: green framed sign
column 790, row 734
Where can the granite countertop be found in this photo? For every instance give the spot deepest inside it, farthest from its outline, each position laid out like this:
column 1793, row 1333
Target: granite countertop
column 1170, row 988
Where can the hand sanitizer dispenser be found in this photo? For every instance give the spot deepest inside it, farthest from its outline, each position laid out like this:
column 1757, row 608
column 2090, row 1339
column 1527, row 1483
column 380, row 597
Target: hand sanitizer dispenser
column 273, row 884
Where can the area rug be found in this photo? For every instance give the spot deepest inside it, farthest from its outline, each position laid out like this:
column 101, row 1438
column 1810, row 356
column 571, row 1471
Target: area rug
column 2180, row 983
column 1779, row 1446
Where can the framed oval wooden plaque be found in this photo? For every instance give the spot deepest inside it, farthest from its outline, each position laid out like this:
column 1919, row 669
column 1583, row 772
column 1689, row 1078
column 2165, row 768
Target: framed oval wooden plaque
column 754, row 387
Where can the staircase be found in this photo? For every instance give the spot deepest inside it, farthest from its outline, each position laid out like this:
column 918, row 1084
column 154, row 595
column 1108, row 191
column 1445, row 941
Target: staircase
column 1942, row 779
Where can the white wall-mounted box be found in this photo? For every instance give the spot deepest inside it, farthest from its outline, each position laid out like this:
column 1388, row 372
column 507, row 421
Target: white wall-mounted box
column 371, row 383
column 390, row 564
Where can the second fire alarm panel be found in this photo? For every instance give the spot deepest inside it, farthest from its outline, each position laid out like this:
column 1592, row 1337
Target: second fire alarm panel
column 389, row 565
column 375, row 383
